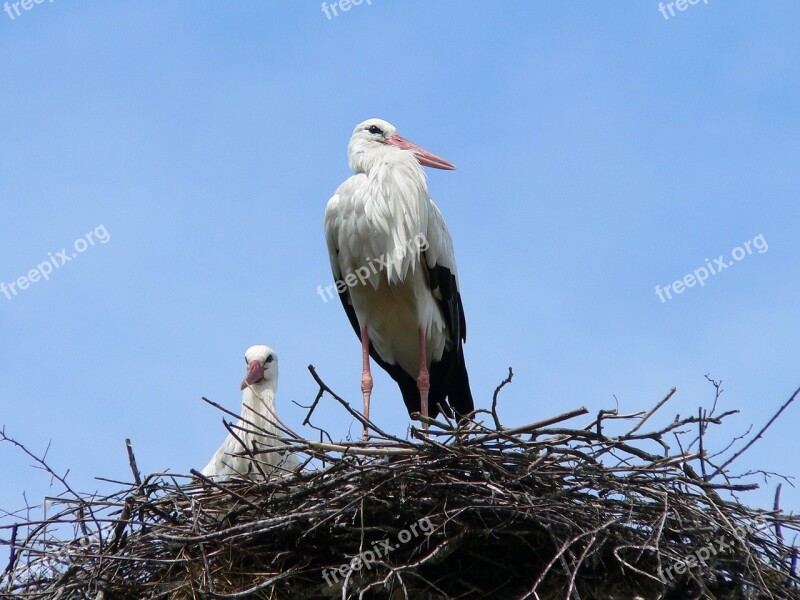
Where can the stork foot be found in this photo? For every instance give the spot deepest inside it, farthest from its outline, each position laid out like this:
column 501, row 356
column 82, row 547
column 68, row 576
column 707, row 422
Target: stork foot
column 424, row 386
column 366, row 391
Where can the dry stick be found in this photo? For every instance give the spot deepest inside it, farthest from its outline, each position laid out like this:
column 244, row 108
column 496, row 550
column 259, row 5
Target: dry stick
column 776, row 506
column 360, row 449
column 503, row 383
column 614, row 414
column 137, row 477
column 312, row 408
column 564, row 547
column 478, row 428
column 700, row 437
column 253, row 425
column 122, row 523
column 528, row 428
column 321, row 441
column 722, row 467
column 322, row 432
column 61, row 479
column 578, row 564
column 322, row 495
column 248, row 451
column 12, row 559
column 252, row 590
column 222, row 488
column 43, row 464
column 709, row 417
column 565, row 567
column 718, row 387
column 653, row 411
column 418, row 416
column 323, row 387
column 599, row 421
column 201, row 546
column 278, row 423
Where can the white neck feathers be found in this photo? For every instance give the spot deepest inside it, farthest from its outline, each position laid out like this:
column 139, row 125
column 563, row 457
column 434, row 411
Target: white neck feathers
column 258, row 406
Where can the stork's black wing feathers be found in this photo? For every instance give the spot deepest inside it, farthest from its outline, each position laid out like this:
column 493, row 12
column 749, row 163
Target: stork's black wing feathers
column 449, row 378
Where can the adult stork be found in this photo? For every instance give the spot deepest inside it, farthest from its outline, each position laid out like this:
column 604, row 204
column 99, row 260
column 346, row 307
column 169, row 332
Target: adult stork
column 395, row 271
column 258, row 427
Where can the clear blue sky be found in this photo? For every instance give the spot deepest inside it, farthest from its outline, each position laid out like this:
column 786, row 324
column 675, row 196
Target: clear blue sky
column 601, row 148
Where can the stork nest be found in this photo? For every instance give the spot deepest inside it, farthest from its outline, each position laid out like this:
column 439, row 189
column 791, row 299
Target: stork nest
column 540, row 511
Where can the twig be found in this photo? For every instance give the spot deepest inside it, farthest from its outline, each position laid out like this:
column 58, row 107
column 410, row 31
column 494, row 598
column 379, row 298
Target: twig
column 757, row 437
column 776, row 506
column 653, row 411
column 530, row 427
column 700, row 429
column 503, row 383
column 137, row 477
column 323, row 387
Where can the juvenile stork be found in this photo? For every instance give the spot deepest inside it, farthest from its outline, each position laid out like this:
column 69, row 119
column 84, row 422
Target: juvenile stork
column 258, row 427
column 395, row 271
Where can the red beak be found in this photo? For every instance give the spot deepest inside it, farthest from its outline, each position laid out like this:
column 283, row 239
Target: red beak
column 255, row 373
column 423, row 156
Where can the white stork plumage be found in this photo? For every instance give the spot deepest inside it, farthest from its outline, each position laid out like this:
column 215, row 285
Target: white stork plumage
column 392, row 258
column 258, row 409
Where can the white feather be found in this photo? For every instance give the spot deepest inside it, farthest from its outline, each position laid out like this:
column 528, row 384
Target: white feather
column 256, row 429
column 382, row 211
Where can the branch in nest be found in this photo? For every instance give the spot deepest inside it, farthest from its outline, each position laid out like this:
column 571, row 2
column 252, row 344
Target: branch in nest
column 503, row 383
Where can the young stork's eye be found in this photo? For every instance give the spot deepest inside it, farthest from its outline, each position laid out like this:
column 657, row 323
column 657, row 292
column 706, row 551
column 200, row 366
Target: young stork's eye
column 269, row 359
column 375, row 130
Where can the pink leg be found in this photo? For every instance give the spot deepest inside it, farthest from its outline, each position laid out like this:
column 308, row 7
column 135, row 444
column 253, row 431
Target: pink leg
column 424, row 380
column 366, row 376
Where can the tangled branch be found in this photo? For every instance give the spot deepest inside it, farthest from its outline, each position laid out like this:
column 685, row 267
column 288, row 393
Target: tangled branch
column 472, row 510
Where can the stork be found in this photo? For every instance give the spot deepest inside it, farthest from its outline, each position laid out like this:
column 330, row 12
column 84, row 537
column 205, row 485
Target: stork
column 258, row 427
column 395, row 271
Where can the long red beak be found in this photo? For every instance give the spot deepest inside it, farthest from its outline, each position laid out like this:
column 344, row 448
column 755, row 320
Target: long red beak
column 255, row 373
column 423, row 156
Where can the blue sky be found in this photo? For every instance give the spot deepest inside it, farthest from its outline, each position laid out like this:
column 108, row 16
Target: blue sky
column 602, row 150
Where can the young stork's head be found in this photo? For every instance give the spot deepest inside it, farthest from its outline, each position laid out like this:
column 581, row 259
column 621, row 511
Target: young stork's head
column 375, row 142
column 262, row 367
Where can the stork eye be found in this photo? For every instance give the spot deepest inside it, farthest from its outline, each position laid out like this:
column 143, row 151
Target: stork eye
column 269, row 359
column 375, row 130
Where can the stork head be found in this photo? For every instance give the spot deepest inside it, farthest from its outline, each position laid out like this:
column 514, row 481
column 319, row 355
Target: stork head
column 262, row 367
column 375, row 141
